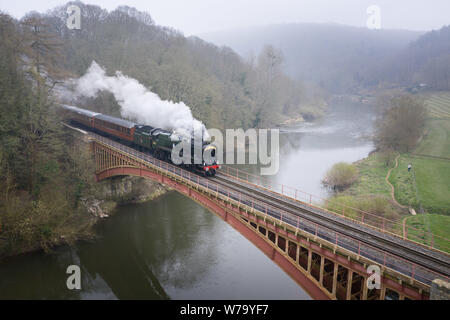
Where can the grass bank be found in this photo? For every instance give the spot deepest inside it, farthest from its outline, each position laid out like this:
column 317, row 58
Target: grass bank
column 436, row 141
column 371, row 174
column 436, row 224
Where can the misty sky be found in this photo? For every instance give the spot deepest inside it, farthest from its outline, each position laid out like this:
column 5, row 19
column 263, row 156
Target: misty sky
column 201, row 16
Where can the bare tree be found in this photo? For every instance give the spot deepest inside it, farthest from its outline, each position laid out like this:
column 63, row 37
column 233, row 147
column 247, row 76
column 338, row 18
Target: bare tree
column 401, row 124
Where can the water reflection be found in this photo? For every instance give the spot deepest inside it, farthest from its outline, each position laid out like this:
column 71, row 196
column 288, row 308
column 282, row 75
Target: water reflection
column 170, row 248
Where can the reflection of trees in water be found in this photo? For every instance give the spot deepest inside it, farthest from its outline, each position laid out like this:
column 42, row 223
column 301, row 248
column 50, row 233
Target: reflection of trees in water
column 150, row 246
column 290, row 142
column 37, row 276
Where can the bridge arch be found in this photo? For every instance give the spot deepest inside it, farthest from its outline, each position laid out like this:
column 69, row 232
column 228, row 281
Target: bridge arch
column 238, row 224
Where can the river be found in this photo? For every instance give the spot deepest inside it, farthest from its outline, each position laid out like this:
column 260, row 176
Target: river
column 172, row 248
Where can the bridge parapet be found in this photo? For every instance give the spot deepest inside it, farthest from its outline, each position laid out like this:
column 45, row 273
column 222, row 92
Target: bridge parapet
column 440, row 290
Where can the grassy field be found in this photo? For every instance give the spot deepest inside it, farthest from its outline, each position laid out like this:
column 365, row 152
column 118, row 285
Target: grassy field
column 438, row 105
column 427, row 184
column 436, row 141
column 372, row 171
column 432, row 176
column 433, row 184
column 436, row 224
column 405, row 190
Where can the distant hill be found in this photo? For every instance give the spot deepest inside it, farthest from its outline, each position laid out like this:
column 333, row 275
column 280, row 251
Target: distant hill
column 339, row 58
column 425, row 61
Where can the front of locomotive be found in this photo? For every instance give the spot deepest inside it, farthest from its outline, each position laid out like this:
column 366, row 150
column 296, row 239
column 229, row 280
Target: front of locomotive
column 210, row 163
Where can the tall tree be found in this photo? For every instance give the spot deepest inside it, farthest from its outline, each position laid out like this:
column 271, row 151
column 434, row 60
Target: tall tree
column 401, row 124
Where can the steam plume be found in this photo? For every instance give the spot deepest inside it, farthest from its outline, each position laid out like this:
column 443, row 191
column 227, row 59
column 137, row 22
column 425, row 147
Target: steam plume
column 137, row 102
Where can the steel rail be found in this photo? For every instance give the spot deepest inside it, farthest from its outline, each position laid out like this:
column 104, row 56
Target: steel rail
column 418, row 255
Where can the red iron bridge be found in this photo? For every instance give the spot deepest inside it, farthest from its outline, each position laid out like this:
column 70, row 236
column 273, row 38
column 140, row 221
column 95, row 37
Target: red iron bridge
column 326, row 252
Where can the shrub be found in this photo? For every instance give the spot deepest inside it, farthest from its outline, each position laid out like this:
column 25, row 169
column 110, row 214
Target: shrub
column 378, row 206
column 341, row 175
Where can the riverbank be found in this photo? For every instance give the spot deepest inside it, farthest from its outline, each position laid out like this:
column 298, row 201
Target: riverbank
column 371, row 192
column 108, row 196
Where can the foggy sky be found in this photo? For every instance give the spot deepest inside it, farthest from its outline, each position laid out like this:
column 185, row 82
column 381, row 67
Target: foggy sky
column 201, row 16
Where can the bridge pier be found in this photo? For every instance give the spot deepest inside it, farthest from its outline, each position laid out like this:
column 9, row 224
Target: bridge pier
column 440, row 290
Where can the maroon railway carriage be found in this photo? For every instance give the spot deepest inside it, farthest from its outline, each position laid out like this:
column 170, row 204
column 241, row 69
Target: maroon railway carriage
column 123, row 129
column 81, row 116
column 116, row 127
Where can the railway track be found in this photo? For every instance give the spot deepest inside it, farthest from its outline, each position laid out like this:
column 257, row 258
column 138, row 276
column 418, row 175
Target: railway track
column 433, row 260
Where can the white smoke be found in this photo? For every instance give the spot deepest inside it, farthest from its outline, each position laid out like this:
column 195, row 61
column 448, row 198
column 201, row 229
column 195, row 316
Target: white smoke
column 137, row 102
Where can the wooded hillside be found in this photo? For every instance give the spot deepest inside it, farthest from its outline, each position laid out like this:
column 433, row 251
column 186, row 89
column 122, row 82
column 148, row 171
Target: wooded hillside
column 222, row 90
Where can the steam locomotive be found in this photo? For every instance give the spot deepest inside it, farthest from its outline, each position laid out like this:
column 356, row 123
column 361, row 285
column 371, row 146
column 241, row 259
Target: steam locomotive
column 155, row 141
